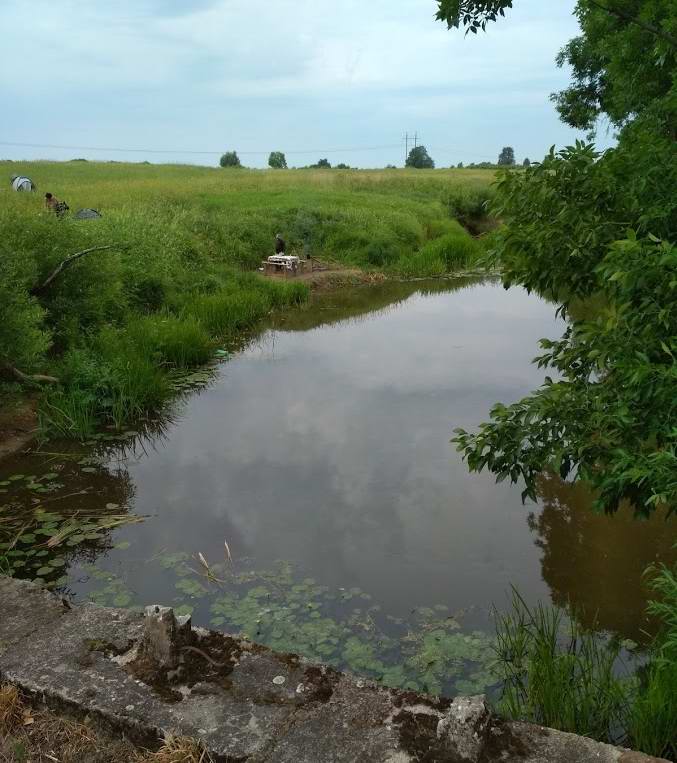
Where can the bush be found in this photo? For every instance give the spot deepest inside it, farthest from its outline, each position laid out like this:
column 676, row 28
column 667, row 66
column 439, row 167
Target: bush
column 23, row 336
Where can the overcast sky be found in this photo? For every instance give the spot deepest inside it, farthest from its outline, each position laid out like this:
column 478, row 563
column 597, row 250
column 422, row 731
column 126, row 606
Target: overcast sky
column 343, row 79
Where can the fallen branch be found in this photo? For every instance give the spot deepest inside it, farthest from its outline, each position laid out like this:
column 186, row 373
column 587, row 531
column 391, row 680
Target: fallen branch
column 66, row 264
column 35, row 379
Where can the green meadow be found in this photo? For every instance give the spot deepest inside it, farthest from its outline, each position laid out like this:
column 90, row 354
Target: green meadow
column 181, row 277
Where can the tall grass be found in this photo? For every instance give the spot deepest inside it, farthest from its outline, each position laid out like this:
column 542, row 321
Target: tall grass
column 556, row 674
column 653, row 721
column 172, row 341
column 224, row 314
column 564, row 680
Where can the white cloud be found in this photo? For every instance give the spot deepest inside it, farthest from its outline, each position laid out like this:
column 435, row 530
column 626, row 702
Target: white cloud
column 345, row 71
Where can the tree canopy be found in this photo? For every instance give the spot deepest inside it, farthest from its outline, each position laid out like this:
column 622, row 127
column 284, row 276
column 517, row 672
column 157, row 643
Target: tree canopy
column 622, row 65
column 472, row 14
column 230, row 159
column 584, row 224
column 277, row 160
column 507, row 157
column 420, row 159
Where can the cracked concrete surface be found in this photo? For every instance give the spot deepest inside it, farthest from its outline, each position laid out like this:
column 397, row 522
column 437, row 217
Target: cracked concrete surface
column 247, row 703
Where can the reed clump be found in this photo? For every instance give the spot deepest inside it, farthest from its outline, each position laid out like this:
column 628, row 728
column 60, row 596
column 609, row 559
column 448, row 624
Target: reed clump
column 557, row 674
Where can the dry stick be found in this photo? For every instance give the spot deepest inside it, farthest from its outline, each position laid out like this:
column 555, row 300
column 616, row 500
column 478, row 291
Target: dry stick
column 67, row 263
column 206, row 656
column 28, row 378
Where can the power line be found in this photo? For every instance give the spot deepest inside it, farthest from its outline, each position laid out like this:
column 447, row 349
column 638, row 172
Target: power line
column 407, row 138
column 195, row 153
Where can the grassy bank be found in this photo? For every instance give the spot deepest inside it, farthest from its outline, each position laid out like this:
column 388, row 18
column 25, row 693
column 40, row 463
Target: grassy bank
column 179, row 279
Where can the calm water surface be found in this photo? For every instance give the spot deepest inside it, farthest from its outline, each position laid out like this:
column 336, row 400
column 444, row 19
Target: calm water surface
column 326, row 444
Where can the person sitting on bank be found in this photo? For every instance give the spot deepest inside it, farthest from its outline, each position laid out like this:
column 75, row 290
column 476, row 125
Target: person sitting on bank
column 54, row 205
column 280, row 245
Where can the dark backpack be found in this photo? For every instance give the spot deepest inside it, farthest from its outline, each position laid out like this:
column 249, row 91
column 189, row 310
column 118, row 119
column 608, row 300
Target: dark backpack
column 61, row 209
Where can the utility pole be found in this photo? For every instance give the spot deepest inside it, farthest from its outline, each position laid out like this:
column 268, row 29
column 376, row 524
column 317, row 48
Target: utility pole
column 406, row 145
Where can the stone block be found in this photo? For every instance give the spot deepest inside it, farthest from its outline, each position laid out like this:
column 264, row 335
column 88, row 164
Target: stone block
column 465, row 728
column 165, row 636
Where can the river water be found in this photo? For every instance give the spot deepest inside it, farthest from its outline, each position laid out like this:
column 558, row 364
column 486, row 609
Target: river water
column 321, row 454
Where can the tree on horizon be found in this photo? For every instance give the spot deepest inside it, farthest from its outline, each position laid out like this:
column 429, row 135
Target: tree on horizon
column 420, row 159
column 277, row 160
column 230, row 159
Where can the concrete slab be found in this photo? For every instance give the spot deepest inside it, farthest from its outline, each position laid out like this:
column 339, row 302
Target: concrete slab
column 245, row 702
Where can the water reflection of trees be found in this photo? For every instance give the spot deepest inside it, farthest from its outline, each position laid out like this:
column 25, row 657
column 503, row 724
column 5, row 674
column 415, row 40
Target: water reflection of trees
column 353, row 303
column 596, row 563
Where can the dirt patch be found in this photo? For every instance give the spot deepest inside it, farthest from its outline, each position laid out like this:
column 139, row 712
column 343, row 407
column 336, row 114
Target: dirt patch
column 18, row 426
column 320, row 683
column 418, row 737
column 503, row 744
column 329, row 277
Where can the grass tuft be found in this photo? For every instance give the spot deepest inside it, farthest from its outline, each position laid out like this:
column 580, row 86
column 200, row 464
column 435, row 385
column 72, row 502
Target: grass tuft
column 180, row 750
column 11, row 708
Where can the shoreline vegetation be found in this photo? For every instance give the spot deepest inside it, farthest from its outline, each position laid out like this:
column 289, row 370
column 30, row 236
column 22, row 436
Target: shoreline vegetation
column 170, row 279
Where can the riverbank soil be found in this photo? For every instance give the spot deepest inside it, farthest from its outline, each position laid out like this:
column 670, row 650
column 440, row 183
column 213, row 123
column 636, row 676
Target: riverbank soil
column 18, row 425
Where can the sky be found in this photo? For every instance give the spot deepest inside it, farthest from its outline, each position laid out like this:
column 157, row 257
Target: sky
column 185, row 80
